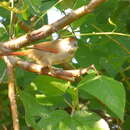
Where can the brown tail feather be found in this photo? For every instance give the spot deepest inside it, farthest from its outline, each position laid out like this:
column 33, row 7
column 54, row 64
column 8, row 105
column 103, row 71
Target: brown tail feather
column 17, row 53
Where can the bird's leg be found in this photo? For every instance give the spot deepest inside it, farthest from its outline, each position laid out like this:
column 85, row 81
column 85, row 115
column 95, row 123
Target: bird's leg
column 51, row 70
column 54, row 70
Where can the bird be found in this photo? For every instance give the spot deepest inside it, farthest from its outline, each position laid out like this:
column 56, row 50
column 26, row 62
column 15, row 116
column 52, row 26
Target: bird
column 50, row 53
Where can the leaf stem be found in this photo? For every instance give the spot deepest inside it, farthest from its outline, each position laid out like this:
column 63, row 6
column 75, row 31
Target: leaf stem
column 75, row 100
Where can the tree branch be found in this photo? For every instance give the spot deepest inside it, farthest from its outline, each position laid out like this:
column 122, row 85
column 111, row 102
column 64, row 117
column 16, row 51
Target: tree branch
column 69, row 75
column 46, row 30
column 11, row 94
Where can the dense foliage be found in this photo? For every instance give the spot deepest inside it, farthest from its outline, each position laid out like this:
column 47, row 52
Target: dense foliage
column 97, row 101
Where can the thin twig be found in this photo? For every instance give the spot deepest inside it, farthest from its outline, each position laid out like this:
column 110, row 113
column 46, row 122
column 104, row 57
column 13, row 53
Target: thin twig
column 116, row 41
column 11, row 29
column 12, row 94
column 101, row 33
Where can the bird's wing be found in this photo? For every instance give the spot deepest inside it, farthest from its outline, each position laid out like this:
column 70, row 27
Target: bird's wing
column 46, row 46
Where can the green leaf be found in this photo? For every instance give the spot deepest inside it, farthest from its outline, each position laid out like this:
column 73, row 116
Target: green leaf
column 33, row 111
column 67, row 4
column 89, row 121
column 79, row 3
column 103, row 52
column 34, row 5
column 126, row 125
column 81, row 120
column 40, row 118
column 24, row 78
column 5, row 14
column 106, row 10
column 48, row 90
column 54, row 121
column 108, row 91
